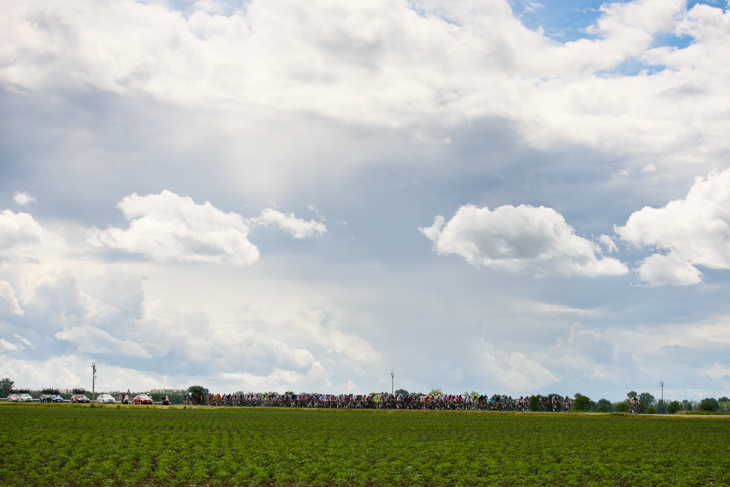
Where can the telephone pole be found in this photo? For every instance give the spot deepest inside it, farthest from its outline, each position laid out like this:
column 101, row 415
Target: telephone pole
column 93, row 381
column 392, row 382
column 662, row 384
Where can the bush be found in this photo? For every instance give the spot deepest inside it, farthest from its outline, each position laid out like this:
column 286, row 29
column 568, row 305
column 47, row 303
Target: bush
column 604, row 406
column 651, row 410
column 674, row 407
column 621, row 407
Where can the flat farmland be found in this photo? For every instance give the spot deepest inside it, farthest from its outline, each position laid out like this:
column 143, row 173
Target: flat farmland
column 72, row 445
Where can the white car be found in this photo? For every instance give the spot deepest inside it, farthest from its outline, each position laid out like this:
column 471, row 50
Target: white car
column 25, row 398
column 106, row 399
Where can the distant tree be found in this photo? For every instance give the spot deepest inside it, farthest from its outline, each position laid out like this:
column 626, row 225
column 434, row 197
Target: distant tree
column 687, row 405
column 197, row 390
column 724, row 403
column 650, row 410
column 604, row 406
column 674, row 407
column 6, row 385
column 473, row 394
column 707, row 404
column 582, row 403
column 646, row 399
column 436, row 392
column 713, row 401
column 535, row 404
column 621, row 407
column 401, row 391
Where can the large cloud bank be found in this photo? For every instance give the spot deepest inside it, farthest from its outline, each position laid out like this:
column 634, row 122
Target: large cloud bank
column 395, row 63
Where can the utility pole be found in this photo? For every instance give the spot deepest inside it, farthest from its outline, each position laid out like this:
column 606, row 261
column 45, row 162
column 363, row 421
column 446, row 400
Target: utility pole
column 392, row 382
column 93, row 381
column 662, row 384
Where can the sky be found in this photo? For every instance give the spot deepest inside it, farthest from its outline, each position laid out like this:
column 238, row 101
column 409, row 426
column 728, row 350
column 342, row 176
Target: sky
column 477, row 195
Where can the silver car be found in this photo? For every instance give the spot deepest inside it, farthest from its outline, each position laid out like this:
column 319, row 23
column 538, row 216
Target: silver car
column 25, row 398
column 105, row 399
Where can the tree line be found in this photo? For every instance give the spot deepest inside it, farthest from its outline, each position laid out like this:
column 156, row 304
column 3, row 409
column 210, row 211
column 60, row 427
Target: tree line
column 647, row 402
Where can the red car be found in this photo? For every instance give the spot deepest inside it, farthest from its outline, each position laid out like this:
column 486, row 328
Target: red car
column 142, row 399
column 12, row 397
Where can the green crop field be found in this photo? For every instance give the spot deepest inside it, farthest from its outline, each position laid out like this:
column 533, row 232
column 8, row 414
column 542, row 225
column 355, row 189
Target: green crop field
column 73, row 445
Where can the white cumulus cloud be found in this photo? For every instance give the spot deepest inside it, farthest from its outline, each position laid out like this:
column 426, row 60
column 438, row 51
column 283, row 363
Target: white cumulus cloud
column 695, row 231
column 22, row 198
column 168, row 227
column 297, row 227
column 21, row 237
column 670, row 269
column 520, row 238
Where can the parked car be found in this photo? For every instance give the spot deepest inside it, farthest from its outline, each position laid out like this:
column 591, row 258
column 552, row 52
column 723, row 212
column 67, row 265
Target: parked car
column 142, row 399
column 25, row 398
column 79, row 398
column 105, row 399
column 50, row 398
column 12, row 397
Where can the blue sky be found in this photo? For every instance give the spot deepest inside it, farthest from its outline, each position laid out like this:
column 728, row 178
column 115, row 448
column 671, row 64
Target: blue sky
column 562, row 21
column 504, row 197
